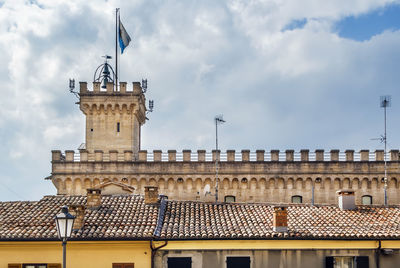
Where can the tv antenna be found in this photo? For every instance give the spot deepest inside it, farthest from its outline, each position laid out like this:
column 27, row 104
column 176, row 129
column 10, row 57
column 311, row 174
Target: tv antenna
column 218, row 120
column 385, row 102
column 72, row 87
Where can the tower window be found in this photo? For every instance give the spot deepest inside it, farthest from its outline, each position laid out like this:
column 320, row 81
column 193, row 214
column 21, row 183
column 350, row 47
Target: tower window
column 118, row 127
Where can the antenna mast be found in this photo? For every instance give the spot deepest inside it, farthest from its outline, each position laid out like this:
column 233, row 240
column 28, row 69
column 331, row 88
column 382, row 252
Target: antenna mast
column 385, row 102
column 218, row 120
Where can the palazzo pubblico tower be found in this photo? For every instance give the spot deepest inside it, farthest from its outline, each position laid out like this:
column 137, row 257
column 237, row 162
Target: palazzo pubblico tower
column 113, row 160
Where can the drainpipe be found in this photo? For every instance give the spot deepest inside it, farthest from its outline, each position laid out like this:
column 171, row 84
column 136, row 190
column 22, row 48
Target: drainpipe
column 154, row 251
column 157, row 230
column 377, row 254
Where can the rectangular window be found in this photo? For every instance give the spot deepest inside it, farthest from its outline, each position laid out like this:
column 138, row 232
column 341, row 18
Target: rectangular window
column 179, row 262
column 118, row 126
column 230, row 198
column 347, row 262
column 366, row 200
column 297, row 199
column 237, row 262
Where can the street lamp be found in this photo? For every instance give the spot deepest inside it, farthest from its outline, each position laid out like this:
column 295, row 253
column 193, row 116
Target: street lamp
column 64, row 223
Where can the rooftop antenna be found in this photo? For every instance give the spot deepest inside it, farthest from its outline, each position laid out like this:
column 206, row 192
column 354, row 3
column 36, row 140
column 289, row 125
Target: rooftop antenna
column 218, row 120
column 72, row 87
column 144, row 85
column 385, row 102
column 151, row 106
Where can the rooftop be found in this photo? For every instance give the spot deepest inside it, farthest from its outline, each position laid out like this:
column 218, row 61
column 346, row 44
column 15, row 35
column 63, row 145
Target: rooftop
column 127, row 217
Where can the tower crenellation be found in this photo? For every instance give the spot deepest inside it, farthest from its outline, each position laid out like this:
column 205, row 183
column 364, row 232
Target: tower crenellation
column 113, row 118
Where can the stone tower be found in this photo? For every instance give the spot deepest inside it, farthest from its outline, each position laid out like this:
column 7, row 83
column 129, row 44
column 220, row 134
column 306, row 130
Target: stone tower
column 113, row 118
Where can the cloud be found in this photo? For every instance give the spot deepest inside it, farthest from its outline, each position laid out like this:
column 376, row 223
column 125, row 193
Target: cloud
column 306, row 87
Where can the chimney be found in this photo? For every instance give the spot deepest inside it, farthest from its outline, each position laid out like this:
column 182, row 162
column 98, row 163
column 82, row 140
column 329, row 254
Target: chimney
column 78, row 211
column 93, row 198
column 346, row 199
column 150, row 195
column 280, row 222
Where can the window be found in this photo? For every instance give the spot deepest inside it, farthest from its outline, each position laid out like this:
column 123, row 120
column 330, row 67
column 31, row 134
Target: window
column 118, row 126
column 366, row 200
column 347, row 262
column 298, row 199
column 34, row 265
column 230, row 198
column 237, row 262
column 123, row 265
column 179, row 262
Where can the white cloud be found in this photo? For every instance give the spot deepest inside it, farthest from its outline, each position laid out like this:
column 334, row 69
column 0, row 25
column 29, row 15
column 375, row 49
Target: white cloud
column 277, row 89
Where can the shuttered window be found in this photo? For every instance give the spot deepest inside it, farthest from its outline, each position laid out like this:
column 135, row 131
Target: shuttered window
column 347, row 262
column 34, row 265
column 14, row 265
column 123, row 265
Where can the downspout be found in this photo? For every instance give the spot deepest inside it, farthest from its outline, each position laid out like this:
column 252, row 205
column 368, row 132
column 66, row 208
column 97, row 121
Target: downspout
column 377, row 254
column 154, row 251
column 157, row 231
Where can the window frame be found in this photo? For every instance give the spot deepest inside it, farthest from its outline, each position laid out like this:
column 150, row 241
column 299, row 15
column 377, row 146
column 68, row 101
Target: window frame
column 238, row 256
column 230, row 196
column 358, row 261
column 367, row 196
column 295, row 196
column 34, row 264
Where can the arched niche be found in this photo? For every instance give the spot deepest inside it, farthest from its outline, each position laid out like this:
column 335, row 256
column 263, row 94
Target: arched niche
column 290, row 183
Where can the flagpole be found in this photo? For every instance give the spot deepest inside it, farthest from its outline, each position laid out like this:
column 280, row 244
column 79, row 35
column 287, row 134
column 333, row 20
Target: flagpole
column 116, row 48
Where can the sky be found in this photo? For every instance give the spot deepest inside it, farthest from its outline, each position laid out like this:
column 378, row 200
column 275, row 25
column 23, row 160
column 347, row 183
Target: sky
column 285, row 74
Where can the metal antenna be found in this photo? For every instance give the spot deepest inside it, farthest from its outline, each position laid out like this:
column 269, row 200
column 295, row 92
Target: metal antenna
column 385, row 102
column 72, row 87
column 218, row 120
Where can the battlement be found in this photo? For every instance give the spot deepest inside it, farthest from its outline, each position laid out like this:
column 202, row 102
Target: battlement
column 228, row 156
column 136, row 89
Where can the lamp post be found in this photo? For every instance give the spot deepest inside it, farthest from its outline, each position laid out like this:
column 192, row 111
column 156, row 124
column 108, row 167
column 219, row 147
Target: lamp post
column 64, row 222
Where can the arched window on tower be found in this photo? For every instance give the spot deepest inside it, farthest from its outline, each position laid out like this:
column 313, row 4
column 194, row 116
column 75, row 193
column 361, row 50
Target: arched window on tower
column 297, row 199
column 366, row 200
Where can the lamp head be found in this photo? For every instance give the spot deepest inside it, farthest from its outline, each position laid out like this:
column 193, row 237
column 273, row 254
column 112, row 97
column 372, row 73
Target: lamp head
column 64, row 222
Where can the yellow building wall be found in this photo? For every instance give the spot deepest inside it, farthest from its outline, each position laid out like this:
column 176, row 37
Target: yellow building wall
column 87, row 254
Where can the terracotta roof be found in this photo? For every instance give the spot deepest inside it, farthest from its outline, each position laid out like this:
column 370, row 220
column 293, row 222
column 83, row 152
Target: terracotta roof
column 198, row 220
column 127, row 217
column 119, row 217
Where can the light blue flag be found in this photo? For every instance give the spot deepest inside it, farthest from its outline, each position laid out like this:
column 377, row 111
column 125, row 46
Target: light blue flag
column 124, row 37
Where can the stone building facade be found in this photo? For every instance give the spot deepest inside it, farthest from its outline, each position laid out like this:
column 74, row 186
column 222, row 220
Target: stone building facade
column 113, row 154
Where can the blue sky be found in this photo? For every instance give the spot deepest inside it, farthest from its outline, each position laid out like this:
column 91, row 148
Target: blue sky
column 285, row 74
column 364, row 26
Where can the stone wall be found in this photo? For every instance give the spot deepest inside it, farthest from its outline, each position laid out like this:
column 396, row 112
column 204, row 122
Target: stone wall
column 256, row 177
